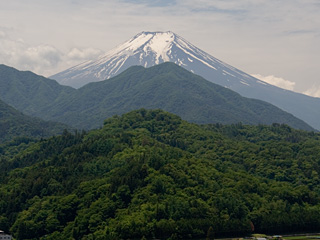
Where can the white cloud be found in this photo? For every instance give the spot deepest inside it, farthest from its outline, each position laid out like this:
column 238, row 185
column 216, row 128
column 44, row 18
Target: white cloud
column 276, row 81
column 313, row 92
column 77, row 54
column 42, row 59
column 39, row 59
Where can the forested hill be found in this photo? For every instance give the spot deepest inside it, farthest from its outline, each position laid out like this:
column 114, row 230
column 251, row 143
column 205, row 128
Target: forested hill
column 166, row 86
column 150, row 174
column 14, row 124
column 28, row 92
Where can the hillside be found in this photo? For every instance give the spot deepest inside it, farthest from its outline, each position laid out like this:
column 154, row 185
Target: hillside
column 166, row 86
column 150, row 174
column 15, row 124
column 171, row 88
column 28, row 92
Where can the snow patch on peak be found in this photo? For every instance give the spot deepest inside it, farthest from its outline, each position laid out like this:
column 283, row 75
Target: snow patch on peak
column 132, row 45
column 158, row 43
column 161, row 44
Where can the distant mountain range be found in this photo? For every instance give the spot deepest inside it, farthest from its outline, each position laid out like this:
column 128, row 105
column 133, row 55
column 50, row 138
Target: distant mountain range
column 15, row 124
column 150, row 48
column 166, row 86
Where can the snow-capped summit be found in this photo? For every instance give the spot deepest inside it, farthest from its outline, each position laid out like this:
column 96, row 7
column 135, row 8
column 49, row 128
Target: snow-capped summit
column 148, row 49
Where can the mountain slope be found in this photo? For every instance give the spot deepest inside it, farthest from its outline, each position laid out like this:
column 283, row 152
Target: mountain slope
column 28, row 92
column 15, row 124
column 151, row 48
column 150, row 175
column 169, row 87
column 166, row 86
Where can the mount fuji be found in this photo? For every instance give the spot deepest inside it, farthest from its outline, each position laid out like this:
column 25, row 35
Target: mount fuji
column 148, row 49
column 151, row 48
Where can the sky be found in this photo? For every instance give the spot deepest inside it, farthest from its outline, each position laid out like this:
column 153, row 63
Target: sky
column 277, row 41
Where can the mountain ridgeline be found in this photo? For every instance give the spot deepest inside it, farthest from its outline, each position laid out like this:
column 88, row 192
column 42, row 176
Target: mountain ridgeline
column 150, row 175
column 28, row 92
column 151, row 48
column 166, row 86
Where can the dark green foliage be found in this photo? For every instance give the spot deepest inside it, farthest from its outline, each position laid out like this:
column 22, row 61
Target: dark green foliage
column 28, row 92
column 210, row 234
column 149, row 174
column 14, row 124
column 166, row 86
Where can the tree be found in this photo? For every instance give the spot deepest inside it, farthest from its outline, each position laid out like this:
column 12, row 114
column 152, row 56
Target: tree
column 210, row 233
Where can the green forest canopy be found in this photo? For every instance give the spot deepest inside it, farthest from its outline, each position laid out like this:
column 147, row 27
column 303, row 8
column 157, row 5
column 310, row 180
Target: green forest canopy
column 150, row 174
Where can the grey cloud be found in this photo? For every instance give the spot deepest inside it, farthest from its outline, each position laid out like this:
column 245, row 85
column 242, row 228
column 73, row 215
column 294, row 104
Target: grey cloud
column 39, row 59
column 153, row 3
column 219, row 10
column 83, row 54
column 314, row 91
